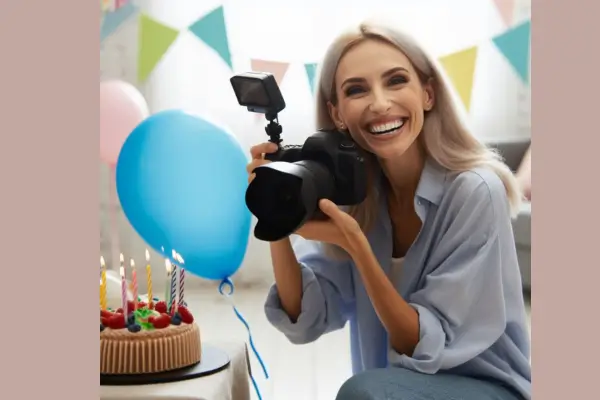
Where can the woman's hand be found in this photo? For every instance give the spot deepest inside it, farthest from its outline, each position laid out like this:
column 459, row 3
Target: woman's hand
column 340, row 229
column 258, row 157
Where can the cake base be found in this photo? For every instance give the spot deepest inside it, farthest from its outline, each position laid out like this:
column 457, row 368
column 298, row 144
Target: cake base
column 213, row 360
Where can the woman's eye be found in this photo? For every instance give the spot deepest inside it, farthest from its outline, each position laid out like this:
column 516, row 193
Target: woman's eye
column 398, row 80
column 352, row 90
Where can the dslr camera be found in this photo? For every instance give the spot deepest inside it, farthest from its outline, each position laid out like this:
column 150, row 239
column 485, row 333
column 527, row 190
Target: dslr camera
column 285, row 193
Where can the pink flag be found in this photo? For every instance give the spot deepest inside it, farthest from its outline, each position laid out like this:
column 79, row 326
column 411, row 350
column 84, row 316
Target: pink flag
column 506, row 8
column 276, row 68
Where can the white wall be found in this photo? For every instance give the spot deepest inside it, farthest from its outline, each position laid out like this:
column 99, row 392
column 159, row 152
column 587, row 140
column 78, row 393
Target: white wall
column 191, row 76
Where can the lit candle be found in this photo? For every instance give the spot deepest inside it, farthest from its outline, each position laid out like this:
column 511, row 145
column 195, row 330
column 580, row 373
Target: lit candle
column 181, row 279
column 168, row 285
column 134, row 284
column 102, row 283
column 123, row 293
column 149, row 278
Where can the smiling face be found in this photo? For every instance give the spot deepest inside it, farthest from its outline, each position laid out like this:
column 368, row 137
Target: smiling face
column 380, row 98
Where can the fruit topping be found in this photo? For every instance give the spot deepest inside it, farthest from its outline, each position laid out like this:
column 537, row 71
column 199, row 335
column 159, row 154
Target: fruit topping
column 161, row 307
column 134, row 328
column 117, row 321
column 162, row 321
column 176, row 320
column 186, row 315
column 131, row 319
column 101, row 327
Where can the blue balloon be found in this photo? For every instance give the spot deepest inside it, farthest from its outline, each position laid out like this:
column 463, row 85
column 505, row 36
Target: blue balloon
column 181, row 182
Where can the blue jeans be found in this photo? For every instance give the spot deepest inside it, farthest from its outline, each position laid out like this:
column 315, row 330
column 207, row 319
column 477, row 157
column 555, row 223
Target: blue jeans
column 404, row 384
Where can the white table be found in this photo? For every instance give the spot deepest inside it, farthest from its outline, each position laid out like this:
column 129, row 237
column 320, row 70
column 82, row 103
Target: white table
column 230, row 384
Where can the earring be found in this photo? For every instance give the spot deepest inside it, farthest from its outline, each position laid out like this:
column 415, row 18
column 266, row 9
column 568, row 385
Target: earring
column 342, row 127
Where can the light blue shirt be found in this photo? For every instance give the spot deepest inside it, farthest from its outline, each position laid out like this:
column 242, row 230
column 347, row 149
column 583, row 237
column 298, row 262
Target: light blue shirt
column 461, row 275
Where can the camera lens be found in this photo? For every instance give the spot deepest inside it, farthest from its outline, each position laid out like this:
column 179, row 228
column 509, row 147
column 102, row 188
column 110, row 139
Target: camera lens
column 283, row 196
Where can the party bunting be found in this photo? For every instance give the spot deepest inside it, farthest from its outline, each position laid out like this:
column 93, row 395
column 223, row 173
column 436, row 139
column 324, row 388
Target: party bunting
column 311, row 70
column 276, row 68
column 114, row 19
column 460, row 68
column 211, row 30
column 515, row 45
column 506, row 9
column 155, row 39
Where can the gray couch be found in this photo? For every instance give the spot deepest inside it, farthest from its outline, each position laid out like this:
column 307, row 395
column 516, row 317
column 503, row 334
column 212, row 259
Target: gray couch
column 513, row 152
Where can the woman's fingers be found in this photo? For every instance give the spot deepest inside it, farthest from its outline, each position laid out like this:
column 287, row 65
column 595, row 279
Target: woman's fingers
column 258, row 152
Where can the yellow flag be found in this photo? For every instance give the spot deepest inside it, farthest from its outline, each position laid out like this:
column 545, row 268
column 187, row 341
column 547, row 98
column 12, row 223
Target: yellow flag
column 460, row 69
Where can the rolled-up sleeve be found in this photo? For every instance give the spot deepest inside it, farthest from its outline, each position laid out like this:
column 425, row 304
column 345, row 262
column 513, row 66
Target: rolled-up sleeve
column 327, row 295
column 461, row 306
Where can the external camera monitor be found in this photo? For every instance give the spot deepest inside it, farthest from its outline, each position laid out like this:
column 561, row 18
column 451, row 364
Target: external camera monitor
column 258, row 92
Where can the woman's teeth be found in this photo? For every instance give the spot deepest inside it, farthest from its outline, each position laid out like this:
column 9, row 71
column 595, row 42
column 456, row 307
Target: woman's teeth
column 386, row 128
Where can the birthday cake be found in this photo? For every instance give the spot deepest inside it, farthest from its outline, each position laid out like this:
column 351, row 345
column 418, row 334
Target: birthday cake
column 148, row 340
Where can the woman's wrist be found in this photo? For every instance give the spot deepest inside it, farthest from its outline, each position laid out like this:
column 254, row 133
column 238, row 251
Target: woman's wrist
column 359, row 248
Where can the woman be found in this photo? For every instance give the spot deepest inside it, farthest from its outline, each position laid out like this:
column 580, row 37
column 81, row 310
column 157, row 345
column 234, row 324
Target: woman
column 425, row 269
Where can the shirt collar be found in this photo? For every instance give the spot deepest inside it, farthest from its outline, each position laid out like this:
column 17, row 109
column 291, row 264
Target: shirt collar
column 432, row 182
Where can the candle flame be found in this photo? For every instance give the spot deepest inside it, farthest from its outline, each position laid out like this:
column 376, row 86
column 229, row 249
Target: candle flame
column 122, row 270
column 147, row 255
column 102, row 262
column 168, row 265
column 121, row 257
column 174, row 254
column 180, row 259
column 132, row 263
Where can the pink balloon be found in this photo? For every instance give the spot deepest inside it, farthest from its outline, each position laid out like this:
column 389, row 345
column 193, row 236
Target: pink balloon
column 122, row 108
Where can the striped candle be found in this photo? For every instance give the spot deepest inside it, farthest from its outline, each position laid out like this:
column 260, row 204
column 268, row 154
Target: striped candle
column 102, row 283
column 124, row 293
column 169, row 268
column 134, row 284
column 173, row 296
column 181, row 280
column 149, row 278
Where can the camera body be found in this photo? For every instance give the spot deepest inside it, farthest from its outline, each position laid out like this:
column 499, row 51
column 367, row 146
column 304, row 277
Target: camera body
column 340, row 155
column 285, row 193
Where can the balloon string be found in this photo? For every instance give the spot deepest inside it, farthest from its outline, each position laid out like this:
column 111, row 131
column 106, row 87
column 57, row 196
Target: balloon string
column 227, row 283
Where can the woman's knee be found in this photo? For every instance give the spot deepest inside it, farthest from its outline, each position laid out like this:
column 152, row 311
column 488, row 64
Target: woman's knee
column 374, row 384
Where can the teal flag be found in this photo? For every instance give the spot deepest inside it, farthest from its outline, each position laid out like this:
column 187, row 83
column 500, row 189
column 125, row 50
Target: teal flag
column 211, row 30
column 515, row 46
column 113, row 20
column 311, row 70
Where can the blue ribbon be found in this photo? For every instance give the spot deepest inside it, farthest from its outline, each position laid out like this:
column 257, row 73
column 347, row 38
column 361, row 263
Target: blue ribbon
column 229, row 284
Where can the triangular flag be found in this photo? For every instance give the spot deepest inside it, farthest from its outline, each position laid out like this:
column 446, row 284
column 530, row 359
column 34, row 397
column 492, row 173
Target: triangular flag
column 211, row 30
column 460, row 68
column 506, row 8
column 276, row 68
column 515, row 45
column 155, row 39
column 113, row 20
column 311, row 70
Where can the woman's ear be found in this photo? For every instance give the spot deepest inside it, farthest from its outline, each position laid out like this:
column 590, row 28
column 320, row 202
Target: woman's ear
column 428, row 95
column 335, row 116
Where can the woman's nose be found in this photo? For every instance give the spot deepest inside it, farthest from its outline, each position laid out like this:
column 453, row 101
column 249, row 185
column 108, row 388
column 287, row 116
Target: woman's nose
column 380, row 103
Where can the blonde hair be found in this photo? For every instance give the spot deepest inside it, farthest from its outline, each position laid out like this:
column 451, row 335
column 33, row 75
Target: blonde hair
column 444, row 137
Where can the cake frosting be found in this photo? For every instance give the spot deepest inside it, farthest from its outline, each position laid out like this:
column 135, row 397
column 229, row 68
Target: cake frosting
column 151, row 340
